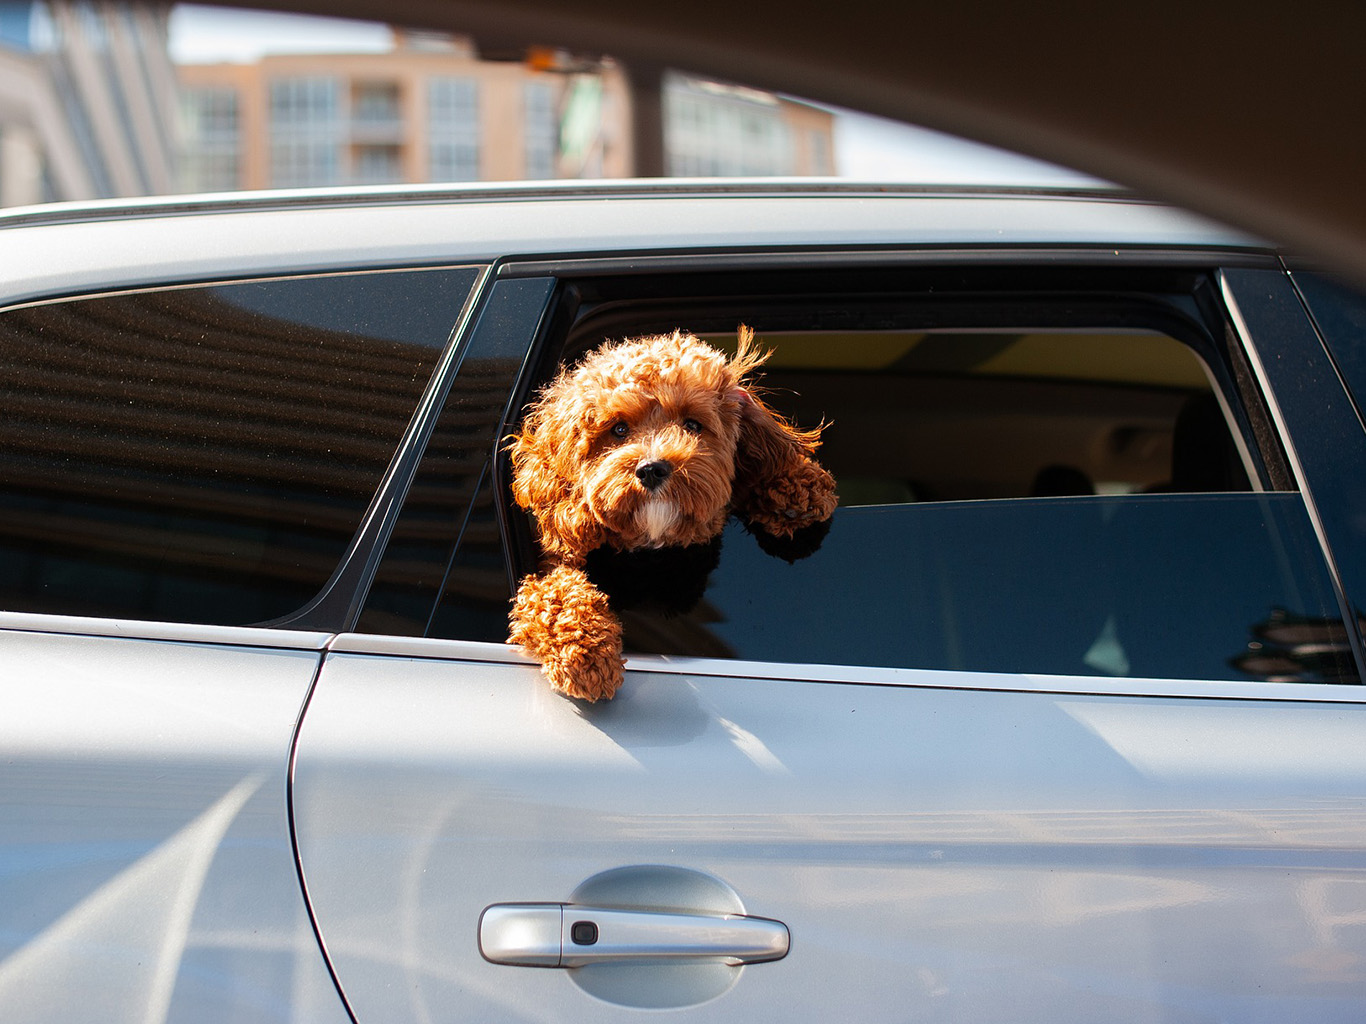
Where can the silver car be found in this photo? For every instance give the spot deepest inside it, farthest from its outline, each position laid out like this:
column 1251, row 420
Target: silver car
column 1060, row 723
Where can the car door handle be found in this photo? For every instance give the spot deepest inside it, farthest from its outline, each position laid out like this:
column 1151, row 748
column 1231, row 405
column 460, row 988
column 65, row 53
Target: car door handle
column 570, row 935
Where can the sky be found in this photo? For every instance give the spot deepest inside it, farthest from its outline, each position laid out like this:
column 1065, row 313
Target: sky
column 866, row 147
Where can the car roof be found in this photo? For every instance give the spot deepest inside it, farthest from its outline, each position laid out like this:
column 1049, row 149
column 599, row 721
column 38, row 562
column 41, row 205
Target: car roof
column 63, row 249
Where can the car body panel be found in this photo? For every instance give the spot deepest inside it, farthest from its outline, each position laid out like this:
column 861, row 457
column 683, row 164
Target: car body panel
column 239, row 237
column 148, row 866
column 936, row 853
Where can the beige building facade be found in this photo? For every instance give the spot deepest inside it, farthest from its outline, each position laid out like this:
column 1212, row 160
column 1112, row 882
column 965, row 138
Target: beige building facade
column 431, row 110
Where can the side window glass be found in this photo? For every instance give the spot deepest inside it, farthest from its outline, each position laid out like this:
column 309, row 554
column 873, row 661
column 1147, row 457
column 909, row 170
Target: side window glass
column 1062, row 501
column 1340, row 315
column 205, row 454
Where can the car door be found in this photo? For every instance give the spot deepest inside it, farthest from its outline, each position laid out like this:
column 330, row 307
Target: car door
column 994, row 751
column 182, row 469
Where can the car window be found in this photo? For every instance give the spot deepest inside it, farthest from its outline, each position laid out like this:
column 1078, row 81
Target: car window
column 1024, row 486
column 205, row 454
column 1029, row 501
column 1339, row 312
column 957, row 415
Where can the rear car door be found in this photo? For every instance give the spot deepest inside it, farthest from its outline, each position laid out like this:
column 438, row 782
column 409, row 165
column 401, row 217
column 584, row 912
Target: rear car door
column 1062, row 721
column 184, row 469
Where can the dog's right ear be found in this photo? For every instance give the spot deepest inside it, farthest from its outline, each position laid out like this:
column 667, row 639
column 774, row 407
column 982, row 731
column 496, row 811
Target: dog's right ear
column 543, row 485
column 780, row 489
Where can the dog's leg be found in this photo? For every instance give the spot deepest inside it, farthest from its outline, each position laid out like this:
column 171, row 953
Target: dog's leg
column 564, row 621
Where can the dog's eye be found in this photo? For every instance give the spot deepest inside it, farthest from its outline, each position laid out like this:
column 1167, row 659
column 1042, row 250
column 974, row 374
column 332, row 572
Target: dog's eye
column 692, row 426
column 620, row 429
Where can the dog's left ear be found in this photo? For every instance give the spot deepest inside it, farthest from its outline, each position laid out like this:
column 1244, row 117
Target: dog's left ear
column 780, row 489
column 546, row 455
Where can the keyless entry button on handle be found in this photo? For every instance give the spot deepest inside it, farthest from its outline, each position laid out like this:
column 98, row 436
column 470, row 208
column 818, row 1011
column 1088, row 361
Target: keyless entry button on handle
column 569, row 935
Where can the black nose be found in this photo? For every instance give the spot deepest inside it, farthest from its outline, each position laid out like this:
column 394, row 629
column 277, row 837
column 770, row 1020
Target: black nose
column 653, row 474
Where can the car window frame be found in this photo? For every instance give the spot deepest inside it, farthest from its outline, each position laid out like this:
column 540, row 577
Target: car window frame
column 519, row 549
column 1238, row 370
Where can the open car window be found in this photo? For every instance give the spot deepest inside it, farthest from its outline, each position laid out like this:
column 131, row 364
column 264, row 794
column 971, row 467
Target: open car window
column 968, row 415
column 1027, row 483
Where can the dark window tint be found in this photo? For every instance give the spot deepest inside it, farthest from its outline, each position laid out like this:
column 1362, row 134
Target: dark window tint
column 1340, row 313
column 205, row 454
column 1218, row 586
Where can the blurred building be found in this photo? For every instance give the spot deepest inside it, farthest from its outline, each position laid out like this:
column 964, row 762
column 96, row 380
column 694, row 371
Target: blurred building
column 431, row 110
column 87, row 101
column 714, row 130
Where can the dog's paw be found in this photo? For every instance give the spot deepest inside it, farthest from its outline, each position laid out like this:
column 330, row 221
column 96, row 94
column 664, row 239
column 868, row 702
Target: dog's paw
column 565, row 622
column 590, row 674
column 793, row 503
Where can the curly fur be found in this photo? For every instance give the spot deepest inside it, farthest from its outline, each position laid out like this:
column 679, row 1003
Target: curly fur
column 581, row 462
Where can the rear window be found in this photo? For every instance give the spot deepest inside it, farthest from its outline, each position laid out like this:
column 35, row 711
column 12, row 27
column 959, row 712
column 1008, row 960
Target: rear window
column 205, row 454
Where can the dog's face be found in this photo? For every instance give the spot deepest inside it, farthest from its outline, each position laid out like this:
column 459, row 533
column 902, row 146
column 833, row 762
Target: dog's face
column 635, row 447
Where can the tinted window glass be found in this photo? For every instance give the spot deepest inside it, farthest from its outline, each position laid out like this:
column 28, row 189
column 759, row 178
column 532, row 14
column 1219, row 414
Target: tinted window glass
column 1340, row 313
column 1116, row 544
column 1168, row 586
column 205, row 454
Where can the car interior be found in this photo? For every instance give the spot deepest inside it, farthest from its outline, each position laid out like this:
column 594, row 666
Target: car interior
column 932, row 396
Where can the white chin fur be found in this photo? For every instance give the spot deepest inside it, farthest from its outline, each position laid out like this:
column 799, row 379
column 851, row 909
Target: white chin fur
column 657, row 520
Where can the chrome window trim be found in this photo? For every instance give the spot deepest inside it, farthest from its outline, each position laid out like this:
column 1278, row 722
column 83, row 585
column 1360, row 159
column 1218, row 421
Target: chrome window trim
column 177, row 632
column 935, row 679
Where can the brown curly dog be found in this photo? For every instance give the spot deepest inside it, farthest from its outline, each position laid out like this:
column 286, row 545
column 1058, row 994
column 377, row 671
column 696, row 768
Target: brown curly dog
column 648, row 443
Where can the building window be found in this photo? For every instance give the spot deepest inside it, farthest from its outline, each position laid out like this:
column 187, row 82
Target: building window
column 305, row 132
column 211, row 131
column 378, row 165
column 542, row 129
column 713, row 129
column 452, row 129
column 818, row 148
column 377, row 102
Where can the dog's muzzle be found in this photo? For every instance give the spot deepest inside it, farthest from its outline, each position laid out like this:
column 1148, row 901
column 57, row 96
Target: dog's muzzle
column 653, row 473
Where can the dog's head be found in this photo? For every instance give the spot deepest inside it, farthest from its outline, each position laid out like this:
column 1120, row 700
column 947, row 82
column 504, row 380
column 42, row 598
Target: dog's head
column 649, row 442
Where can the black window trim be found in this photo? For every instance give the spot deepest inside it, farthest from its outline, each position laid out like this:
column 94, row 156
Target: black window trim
column 1283, row 348
column 336, row 608
column 730, row 259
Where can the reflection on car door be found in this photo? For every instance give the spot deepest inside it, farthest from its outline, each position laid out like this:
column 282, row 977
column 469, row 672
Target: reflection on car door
column 146, row 870
column 940, row 845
